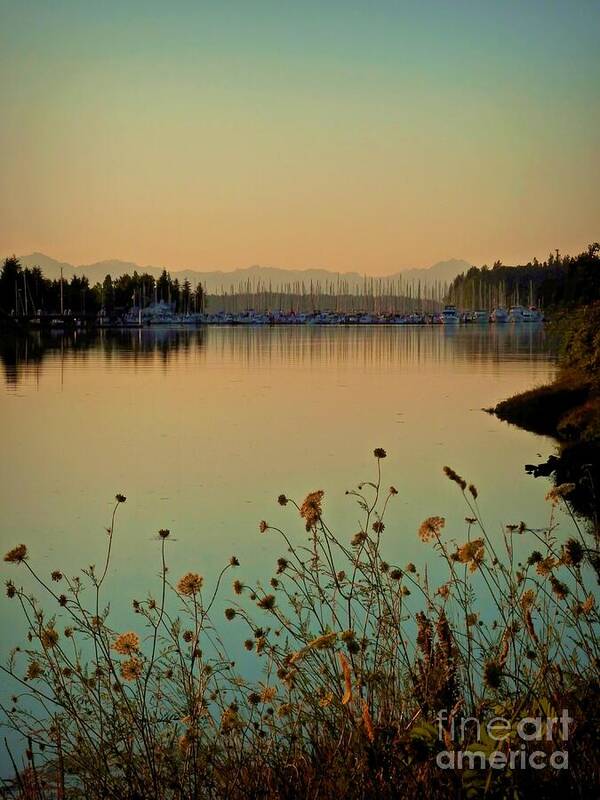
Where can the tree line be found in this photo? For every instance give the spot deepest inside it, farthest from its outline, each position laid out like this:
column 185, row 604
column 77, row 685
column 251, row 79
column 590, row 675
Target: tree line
column 557, row 282
column 27, row 291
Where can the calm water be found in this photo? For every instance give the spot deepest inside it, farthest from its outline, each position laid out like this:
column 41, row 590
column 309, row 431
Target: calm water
column 202, row 429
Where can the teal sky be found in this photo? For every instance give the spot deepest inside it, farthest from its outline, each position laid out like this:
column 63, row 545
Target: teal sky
column 348, row 135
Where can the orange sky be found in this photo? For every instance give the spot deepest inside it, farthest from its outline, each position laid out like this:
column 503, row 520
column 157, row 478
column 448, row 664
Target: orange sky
column 222, row 137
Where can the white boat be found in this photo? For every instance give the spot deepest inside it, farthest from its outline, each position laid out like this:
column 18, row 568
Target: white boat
column 450, row 316
column 499, row 315
column 515, row 314
column 480, row 316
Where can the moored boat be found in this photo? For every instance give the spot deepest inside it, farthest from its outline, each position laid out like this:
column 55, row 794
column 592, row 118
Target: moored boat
column 450, row 315
column 499, row 315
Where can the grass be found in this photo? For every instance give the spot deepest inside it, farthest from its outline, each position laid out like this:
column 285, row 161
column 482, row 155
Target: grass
column 357, row 657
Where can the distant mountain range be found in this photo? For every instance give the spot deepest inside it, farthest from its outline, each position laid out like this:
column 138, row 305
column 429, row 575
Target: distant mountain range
column 442, row 271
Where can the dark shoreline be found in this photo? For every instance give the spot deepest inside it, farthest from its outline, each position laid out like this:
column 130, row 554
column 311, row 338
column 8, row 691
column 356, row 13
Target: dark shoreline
column 568, row 410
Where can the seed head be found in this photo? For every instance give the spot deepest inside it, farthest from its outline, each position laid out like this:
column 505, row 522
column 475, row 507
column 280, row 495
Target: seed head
column 17, row 555
column 190, row 584
column 431, row 528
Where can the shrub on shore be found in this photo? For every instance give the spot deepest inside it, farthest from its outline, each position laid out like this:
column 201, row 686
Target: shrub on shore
column 367, row 670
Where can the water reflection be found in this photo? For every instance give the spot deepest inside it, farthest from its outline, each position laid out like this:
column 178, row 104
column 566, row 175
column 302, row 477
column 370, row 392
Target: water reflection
column 24, row 357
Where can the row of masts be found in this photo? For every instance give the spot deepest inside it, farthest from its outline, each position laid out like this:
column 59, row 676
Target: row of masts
column 374, row 295
column 484, row 295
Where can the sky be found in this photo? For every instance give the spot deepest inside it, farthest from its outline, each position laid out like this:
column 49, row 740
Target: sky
column 367, row 136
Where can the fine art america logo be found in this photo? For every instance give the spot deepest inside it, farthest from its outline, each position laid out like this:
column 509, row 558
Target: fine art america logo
column 502, row 744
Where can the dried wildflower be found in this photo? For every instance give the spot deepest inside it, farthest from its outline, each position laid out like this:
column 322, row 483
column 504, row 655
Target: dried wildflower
column 267, row 602
column 285, row 710
column 522, row 527
column 527, row 599
column 120, row 498
column 347, row 697
column 68, row 632
column 34, row 670
column 405, row 591
column 471, row 553
column 230, row 613
column 492, row 674
column 341, row 576
column 254, row 698
column 49, row 637
column 249, row 644
column 234, row 561
column 378, row 526
column 534, row 558
column 559, row 589
column 274, row 583
column 545, row 566
column 62, row 600
column 384, row 567
column 393, row 490
column 229, row 721
column 572, row 553
column 473, row 491
column 310, row 510
column 127, row 643
column 188, row 636
column 367, row 721
column 11, row 589
column 323, row 642
column 17, row 555
column 190, row 584
column 454, row 476
column 379, row 452
column 431, row 528
column 263, row 526
column 470, row 520
column 588, row 604
column 444, row 591
column 472, row 619
column 268, row 694
column 396, row 574
column 410, row 567
column 282, row 500
column 282, row 565
column 238, row 587
column 555, row 494
column 56, row 575
column 131, row 669
column 358, row 539
column 164, row 533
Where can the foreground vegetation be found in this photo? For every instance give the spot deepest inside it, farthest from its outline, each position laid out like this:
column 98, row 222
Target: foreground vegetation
column 365, row 670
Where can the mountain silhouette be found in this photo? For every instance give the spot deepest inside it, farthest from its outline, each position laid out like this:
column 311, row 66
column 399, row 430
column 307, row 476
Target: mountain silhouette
column 214, row 280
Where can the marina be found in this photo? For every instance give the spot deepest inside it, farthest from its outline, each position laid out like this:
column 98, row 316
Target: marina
column 164, row 314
